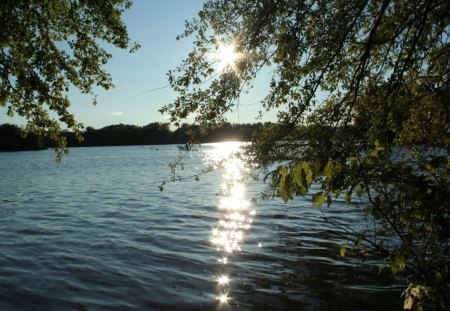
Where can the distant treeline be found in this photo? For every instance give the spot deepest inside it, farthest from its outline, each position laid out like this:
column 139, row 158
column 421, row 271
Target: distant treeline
column 13, row 139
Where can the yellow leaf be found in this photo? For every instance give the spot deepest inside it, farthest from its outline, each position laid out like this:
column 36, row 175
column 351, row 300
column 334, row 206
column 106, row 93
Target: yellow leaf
column 408, row 303
column 343, row 251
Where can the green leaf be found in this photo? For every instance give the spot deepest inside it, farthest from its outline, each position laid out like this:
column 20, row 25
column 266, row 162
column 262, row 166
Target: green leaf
column 308, row 172
column 381, row 245
column 398, row 263
column 283, row 188
column 378, row 147
column 430, row 168
column 302, row 177
column 298, row 176
column 329, row 200
column 360, row 191
column 328, row 169
column 319, row 198
column 283, row 172
column 374, row 153
column 352, row 159
column 348, row 197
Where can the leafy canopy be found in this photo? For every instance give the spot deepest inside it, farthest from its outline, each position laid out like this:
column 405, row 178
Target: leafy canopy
column 361, row 89
column 48, row 46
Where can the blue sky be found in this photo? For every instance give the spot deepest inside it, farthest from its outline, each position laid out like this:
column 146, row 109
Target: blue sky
column 154, row 24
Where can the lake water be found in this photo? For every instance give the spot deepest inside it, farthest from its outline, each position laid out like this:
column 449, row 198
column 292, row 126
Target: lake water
column 95, row 233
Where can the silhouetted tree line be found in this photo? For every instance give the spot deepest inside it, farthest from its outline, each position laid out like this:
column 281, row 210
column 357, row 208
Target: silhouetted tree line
column 12, row 138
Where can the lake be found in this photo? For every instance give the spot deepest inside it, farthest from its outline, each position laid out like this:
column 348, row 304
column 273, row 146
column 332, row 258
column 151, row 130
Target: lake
column 95, row 233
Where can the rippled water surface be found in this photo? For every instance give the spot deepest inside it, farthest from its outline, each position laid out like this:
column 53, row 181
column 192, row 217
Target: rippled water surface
column 95, row 233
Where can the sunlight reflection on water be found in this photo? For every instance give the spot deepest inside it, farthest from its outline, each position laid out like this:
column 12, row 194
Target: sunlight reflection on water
column 235, row 212
column 95, row 233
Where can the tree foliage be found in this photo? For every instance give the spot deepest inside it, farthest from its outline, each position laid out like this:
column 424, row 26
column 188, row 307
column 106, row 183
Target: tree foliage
column 48, row 46
column 368, row 83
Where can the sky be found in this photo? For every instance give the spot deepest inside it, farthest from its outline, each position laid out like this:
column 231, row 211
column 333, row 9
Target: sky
column 154, row 24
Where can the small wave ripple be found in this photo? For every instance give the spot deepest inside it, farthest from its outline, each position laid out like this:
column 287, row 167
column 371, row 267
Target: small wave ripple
column 95, row 233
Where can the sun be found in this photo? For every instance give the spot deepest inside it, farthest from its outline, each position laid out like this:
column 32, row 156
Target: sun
column 227, row 56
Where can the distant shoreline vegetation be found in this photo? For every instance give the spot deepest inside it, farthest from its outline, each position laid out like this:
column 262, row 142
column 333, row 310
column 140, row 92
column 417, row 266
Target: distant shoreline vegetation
column 12, row 137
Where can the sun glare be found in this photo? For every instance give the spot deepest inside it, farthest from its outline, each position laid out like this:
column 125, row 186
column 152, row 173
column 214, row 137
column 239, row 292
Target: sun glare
column 223, row 298
column 226, row 56
column 223, row 280
column 225, row 150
